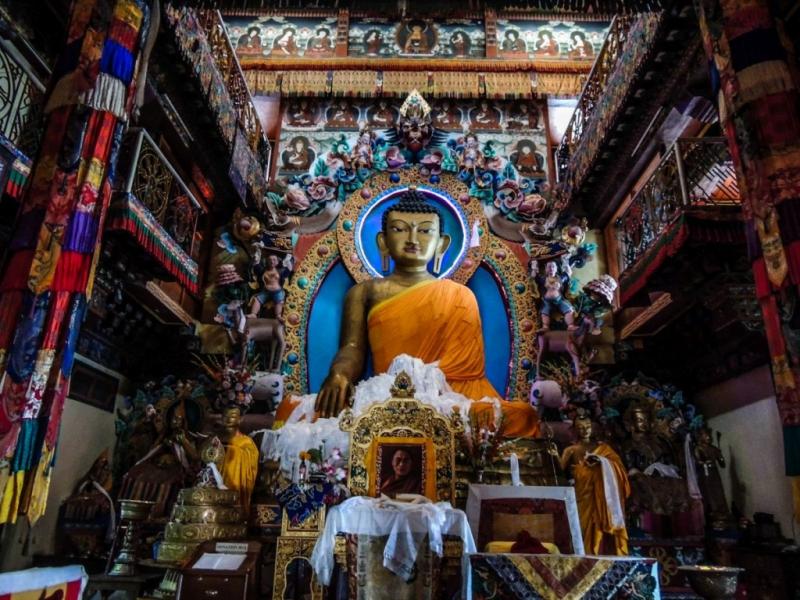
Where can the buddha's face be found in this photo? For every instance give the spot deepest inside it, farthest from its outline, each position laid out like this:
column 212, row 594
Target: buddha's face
column 231, row 418
column 583, row 428
column 412, row 239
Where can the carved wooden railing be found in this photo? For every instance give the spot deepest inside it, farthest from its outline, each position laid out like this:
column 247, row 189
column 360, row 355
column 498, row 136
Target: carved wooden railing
column 225, row 58
column 154, row 182
column 21, row 96
column 695, row 173
column 593, row 89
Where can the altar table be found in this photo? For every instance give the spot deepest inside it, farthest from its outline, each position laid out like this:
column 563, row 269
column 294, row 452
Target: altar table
column 559, row 577
column 393, row 550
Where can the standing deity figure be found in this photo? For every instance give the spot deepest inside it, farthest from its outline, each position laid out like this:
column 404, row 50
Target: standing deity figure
column 411, row 311
column 657, row 484
column 601, row 488
column 552, row 288
column 471, row 158
column 361, row 157
column 240, row 466
column 708, row 459
column 271, row 289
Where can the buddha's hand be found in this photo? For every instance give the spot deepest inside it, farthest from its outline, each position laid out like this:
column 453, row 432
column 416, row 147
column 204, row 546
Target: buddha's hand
column 333, row 396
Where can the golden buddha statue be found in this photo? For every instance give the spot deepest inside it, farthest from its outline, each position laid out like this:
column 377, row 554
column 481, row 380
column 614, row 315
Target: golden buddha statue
column 412, row 312
column 240, row 467
column 601, row 489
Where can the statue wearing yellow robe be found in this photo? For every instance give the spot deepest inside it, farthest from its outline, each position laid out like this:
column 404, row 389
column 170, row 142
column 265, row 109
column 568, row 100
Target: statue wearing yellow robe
column 438, row 321
column 412, row 312
column 593, row 506
column 240, row 466
column 601, row 489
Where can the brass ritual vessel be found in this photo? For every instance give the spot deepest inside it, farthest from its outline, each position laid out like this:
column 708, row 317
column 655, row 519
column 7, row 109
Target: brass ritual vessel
column 712, row 582
column 132, row 512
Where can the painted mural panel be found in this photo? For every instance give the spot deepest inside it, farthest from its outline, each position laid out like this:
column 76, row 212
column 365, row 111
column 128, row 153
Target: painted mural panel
column 417, row 38
column 543, row 40
column 313, row 129
column 282, row 37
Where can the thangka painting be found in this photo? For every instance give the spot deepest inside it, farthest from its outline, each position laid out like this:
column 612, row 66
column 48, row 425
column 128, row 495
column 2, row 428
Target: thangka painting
column 282, row 37
column 542, row 40
column 314, row 129
column 417, row 38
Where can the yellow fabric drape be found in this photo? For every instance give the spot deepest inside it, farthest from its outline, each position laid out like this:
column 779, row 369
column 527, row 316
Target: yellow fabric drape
column 261, row 83
column 456, row 84
column 240, row 468
column 558, row 84
column 355, row 83
column 508, row 84
column 592, row 506
column 401, row 82
column 439, row 322
column 305, row 83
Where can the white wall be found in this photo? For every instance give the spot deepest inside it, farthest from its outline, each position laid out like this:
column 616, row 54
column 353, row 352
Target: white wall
column 752, row 442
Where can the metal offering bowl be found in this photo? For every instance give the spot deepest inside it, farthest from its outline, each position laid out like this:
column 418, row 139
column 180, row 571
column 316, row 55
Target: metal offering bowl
column 712, row 582
column 135, row 510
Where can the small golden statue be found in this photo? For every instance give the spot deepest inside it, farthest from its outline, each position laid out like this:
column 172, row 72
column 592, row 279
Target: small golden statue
column 412, row 312
column 240, row 467
column 601, row 488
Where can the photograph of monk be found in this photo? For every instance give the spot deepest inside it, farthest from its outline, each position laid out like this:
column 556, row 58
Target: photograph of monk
column 400, row 469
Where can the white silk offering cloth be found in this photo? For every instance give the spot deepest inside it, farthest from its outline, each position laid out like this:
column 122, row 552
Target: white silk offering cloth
column 406, row 525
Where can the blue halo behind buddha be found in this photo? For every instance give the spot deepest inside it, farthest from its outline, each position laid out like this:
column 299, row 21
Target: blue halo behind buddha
column 369, row 225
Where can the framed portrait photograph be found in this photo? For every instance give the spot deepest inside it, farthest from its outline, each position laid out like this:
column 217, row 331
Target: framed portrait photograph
column 402, row 465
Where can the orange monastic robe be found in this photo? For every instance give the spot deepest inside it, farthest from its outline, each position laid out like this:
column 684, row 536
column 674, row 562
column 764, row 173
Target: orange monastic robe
column 439, row 321
column 595, row 515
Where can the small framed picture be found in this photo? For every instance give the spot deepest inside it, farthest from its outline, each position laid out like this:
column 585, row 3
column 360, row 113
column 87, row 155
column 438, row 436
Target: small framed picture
column 402, row 465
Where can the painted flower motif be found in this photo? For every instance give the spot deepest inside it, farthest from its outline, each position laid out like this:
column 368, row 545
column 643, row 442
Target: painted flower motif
column 532, row 204
column 322, row 189
column 334, row 161
column 394, row 159
column 433, row 162
column 508, row 197
column 296, row 199
column 494, row 163
column 345, row 176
